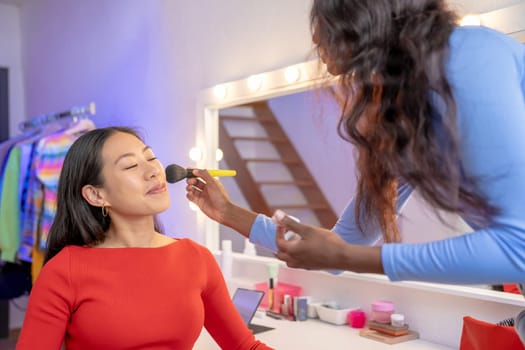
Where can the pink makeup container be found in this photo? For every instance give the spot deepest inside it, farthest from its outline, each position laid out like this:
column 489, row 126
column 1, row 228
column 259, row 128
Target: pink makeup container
column 381, row 311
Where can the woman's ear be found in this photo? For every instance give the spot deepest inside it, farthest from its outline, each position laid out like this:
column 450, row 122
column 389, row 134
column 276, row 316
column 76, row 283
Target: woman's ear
column 93, row 195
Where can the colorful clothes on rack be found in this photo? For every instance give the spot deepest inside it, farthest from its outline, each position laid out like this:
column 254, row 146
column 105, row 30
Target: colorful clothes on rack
column 9, row 213
column 28, row 150
column 51, row 154
column 5, row 148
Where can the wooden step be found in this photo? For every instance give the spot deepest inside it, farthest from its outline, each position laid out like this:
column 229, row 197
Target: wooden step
column 252, row 190
column 301, row 206
column 246, row 119
column 259, row 139
column 271, row 160
column 298, row 183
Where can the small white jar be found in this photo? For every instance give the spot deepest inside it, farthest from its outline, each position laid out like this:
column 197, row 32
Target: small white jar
column 397, row 320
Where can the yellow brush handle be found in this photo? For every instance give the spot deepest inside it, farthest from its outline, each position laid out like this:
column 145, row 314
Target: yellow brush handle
column 221, row 172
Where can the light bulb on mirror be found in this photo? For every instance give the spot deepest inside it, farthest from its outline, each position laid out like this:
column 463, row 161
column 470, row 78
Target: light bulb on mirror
column 254, row 82
column 193, row 206
column 219, row 154
column 470, row 20
column 220, row 91
column 292, row 74
column 195, row 154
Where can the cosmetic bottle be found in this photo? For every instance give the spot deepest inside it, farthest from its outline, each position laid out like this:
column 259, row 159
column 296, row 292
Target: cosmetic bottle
column 249, row 248
column 271, row 296
column 273, row 271
column 226, row 259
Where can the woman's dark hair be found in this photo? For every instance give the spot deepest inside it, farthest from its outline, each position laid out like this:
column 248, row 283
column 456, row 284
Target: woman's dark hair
column 76, row 221
column 398, row 108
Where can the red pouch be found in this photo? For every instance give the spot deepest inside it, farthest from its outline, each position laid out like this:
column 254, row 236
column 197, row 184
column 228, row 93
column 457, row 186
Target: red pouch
column 480, row 335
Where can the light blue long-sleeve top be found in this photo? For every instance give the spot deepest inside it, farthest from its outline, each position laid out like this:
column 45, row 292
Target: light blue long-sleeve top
column 486, row 72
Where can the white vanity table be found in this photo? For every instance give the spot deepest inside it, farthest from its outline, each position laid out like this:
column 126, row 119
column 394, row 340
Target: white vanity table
column 315, row 335
column 435, row 311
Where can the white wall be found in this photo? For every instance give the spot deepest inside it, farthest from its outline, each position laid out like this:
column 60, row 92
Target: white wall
column 10, row 57
column 144, row 62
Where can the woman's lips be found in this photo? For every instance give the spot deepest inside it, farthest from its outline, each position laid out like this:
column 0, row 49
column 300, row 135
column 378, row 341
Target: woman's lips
column 157, row 189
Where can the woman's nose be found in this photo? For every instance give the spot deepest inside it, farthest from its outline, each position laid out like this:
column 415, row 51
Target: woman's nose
column 153, row 171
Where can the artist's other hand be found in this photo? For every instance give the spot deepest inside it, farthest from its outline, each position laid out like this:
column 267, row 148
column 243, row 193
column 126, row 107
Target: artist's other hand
column 311, row 248
column 208, row 194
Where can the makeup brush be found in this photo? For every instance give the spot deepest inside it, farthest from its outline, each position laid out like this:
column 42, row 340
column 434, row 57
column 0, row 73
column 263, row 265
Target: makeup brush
column 175, row 173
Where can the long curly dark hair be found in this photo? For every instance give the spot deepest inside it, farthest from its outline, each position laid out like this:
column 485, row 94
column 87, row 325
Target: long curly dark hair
column 398, row 107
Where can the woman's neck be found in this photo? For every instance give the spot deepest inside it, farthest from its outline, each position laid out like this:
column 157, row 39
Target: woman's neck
column 133, row 234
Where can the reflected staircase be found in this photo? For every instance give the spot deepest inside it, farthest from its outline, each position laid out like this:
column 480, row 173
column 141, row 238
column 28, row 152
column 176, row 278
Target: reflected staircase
column 258, row 191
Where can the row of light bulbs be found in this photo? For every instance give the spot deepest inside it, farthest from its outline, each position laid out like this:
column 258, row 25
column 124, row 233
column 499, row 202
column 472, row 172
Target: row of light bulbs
column 470, row 20
column 255, row 82
column 292, row 74
column 196, row 153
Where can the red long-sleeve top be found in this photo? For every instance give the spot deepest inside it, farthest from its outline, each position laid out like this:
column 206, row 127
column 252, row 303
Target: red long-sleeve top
column 132, row 298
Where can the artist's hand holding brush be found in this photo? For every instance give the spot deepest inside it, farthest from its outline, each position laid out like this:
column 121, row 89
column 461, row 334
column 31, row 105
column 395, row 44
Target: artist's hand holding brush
column 209, row 195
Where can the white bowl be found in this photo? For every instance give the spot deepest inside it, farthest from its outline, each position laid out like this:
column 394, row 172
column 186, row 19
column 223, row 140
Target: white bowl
column 334, row 316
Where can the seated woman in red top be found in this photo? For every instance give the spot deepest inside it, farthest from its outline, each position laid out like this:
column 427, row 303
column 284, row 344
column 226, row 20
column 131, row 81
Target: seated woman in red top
column 110, row 279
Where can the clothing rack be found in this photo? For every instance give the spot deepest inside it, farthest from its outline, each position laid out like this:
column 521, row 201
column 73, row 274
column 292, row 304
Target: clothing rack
column 45, row 123
column 75, row 112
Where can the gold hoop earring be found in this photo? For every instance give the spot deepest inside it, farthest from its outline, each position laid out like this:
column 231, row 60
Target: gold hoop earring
column 105, row 211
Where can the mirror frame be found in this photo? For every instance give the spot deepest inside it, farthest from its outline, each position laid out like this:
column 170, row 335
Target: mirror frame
column 295, row 78
column 273, row 84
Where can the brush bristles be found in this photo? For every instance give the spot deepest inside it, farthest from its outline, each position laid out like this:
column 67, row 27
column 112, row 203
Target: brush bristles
column 175, row 173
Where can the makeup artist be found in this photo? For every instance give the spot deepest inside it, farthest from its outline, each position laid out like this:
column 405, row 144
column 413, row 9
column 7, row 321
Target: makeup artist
column 111, row 280
column 429, row 106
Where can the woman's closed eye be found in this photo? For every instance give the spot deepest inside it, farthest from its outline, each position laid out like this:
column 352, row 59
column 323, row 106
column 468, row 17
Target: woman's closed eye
column 131, row 166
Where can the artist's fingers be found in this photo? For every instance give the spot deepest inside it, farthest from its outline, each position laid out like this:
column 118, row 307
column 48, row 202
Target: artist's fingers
column 280, row 239
column 203, row 174
column 291, row 224
column 192, row 180
column 192, row 191
column 290, row 262
column 296, row 227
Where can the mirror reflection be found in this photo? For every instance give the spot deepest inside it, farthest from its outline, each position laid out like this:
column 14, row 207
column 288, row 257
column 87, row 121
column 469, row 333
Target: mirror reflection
column 269, row 143
column 289, row 156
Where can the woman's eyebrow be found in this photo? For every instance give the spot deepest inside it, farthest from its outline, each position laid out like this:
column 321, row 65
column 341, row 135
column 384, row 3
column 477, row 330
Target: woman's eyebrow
column 130, row 154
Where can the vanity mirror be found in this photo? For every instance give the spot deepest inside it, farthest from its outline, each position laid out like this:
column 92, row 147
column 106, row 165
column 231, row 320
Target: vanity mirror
column 297, row 86
column 240, row 99
column 280, row 135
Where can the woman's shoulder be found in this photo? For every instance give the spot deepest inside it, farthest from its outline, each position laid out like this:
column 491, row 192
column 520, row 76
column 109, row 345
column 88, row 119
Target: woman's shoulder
column 58, row 266
column 479, row 40
column 478, row 54
column 197, row 250
column 193, row 244
column 63, row 257
column 480, row 34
